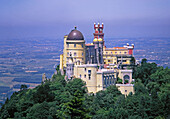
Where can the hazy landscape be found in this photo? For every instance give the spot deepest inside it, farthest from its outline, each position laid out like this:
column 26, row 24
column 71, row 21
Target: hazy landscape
column 23, row 61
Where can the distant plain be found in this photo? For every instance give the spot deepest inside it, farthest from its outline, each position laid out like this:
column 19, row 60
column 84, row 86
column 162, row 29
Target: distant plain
column 23, row 61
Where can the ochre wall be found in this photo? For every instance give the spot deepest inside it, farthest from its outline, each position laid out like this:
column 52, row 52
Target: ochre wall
column 90, row 83
column 124, row 89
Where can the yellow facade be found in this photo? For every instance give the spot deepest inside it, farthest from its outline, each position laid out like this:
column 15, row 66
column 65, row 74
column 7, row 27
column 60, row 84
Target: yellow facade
column 110, row 55
column 61, row 61
column 94, row 78
column 125, row 88
column 99, row 82
column 64, row 51
column 88, row 74
column 74, row 49
column 125, row 75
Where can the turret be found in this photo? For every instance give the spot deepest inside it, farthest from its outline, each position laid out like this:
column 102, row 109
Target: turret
column 98, row 31
column 130, row 48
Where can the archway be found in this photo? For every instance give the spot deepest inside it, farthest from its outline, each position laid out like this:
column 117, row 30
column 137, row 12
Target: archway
column 126, row 79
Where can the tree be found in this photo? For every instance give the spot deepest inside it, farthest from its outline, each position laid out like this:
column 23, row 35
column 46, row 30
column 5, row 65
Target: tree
column 4, row 114
column 23, row 87
column 76, row 84
column 75, row 108
column 119, row 81
column 140, row 88
column 38, row 111
column 144, row 71
column 144, row 61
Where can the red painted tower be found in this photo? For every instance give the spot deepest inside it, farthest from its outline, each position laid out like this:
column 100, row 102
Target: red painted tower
column 98, row 31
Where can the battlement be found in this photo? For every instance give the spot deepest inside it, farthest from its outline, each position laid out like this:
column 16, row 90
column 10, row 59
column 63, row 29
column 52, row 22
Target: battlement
column 98, row 30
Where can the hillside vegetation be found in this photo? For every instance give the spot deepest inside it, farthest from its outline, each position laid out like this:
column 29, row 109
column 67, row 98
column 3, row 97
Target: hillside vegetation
column 58, row 99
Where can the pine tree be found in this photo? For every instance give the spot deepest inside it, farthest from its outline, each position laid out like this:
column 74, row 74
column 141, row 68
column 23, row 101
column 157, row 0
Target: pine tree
column 75, row 108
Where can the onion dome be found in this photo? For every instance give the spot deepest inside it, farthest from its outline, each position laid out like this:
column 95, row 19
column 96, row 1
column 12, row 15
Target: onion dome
column 100, row 39
column 95, row 40
column 75, row 35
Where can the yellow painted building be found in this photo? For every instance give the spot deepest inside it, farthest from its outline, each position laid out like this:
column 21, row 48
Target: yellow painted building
column 125, row 88
column 118, row 55
column 96, row 79
column 94, row 63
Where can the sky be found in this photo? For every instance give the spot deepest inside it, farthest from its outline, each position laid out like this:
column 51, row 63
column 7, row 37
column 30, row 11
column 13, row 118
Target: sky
column 56, row 18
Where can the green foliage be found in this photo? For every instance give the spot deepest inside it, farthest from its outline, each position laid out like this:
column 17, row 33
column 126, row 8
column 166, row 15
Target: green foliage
column 144, row 71
column 75, row 108
column 126, row 81
column 23, row 87
column 76, row 84
column 58, row 99
column 132, row 61
column 119, row 81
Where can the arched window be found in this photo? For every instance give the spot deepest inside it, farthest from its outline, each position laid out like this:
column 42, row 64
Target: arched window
column 126, row 78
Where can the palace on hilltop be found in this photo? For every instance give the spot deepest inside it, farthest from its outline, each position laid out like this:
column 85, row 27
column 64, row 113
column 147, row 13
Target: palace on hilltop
column 96, row 64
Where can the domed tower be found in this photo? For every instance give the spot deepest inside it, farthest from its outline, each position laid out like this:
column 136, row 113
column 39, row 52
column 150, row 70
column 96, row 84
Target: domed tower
column 74, row 47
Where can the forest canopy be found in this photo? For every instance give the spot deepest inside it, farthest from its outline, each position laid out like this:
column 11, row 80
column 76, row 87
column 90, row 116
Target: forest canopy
column 57, row 99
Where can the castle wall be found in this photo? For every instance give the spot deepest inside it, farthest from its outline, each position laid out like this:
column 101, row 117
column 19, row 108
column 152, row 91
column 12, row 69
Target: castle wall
column 99, row 81
column 88, row 74
column 75, row 49
column 125, row 88
column 124, row 73
column 61, row 61
column 64, row 52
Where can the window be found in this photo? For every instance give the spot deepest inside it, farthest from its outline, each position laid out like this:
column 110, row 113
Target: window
column 80, row 75
column 67, row 53
column 124, row 60
column 82, row 45
column 125, row 52
column 75, row 45
column 89, row 71
column 82, row 58
column 126, row 77
column 120, row 52
column 89, row 74
column 115, row 52
column 75, row 54
column 70, row 54
column 82, row 53
column 85, row 76
column 84, row 69
column 108, row 60
column 67, row 45
column 125, row 90
column 111, row 53
column 106, row 52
